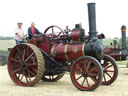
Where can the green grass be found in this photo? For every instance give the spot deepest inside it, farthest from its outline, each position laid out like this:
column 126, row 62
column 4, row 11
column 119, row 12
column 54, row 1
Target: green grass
column 5, row 44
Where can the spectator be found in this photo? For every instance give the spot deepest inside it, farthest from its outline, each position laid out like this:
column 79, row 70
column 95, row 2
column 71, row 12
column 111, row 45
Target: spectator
column 32, row 30
column 19, row 34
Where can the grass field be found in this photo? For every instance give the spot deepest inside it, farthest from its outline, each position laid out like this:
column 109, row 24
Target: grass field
column 5, row 44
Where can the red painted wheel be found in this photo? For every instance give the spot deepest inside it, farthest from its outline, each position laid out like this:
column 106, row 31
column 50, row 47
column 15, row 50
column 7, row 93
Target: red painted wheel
column 25, row 64
column 52, row 78
column 110, row 70
column 86, row 73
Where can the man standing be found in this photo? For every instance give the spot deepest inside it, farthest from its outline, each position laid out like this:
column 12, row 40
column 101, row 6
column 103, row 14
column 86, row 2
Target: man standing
column 19, row 34
column 32, row 30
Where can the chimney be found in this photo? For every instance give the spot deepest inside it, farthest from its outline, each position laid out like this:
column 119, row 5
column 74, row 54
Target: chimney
column 92, row 21
column 123, row 29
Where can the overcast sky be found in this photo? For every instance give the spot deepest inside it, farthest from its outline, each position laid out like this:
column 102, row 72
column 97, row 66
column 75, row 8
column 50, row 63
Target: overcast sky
column 110, row 14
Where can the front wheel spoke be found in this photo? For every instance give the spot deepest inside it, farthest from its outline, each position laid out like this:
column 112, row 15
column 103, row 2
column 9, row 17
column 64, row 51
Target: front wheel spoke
column 80, row 69
column 108, row 74
column 79, row 77
column 93, row 79
column 29, row 57
column 83, row 81
column 93, row 69
column 88, row 65
column 108, row 66
column 105, row 62
column 104, row 77
column 110, row 71
column 92, row 74
column 87, row 82
column 84, row 66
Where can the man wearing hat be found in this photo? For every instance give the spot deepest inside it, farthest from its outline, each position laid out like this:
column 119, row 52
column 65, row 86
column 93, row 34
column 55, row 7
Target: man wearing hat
column 19, row 34
column 33, row 31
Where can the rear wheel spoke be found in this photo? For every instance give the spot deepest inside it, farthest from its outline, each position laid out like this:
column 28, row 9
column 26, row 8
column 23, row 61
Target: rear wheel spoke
column 29, row 57
column 31, row 72
column 15, row 71
column 21, row 77
column 15, row 60
column 19, row 52
column 24, row 54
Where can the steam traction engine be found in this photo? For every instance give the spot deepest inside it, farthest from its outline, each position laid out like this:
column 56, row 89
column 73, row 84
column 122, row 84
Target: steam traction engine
column 50, row 55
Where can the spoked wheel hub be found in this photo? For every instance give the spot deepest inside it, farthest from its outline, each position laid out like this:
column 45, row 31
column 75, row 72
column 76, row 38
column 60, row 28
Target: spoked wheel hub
column 22, row 64
column 25, row 64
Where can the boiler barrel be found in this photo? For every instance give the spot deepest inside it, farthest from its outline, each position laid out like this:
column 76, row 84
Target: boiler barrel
column 67, row 52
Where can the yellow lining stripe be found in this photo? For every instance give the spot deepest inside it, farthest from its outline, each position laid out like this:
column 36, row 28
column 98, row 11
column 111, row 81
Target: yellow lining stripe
column 65, row 52
column 53, row 50
column 83, row 48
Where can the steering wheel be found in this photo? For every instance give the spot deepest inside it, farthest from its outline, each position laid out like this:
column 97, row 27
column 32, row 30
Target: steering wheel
column 26, row 38
column 53, row 35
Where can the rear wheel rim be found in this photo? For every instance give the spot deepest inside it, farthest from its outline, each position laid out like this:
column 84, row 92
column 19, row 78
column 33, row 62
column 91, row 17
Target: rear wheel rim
column 86, row 75
column 25, row 64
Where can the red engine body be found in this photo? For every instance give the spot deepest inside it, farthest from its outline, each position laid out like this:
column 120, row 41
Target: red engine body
column 59, row 50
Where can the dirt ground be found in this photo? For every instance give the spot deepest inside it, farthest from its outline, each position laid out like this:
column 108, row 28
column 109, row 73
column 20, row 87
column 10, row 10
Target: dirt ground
column 63, row 87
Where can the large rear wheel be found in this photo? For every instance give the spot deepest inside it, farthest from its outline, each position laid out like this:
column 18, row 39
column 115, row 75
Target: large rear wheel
column 26, row 64
column 86, row 73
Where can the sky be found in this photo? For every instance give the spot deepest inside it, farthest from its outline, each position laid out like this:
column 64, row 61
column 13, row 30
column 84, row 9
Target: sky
column 110, row 15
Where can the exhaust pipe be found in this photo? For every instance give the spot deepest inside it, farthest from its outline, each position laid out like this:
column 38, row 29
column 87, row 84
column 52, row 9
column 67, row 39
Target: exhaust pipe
column 124, row 51
column 123, row 29
column 92, row 21
column 94, row 46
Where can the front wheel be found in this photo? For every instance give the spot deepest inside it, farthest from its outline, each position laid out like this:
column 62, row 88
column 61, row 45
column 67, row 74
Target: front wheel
column 110, row 70
column 86, row 73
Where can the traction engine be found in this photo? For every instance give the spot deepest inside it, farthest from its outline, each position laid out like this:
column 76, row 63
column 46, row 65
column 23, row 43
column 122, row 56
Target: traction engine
column 49, row 56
